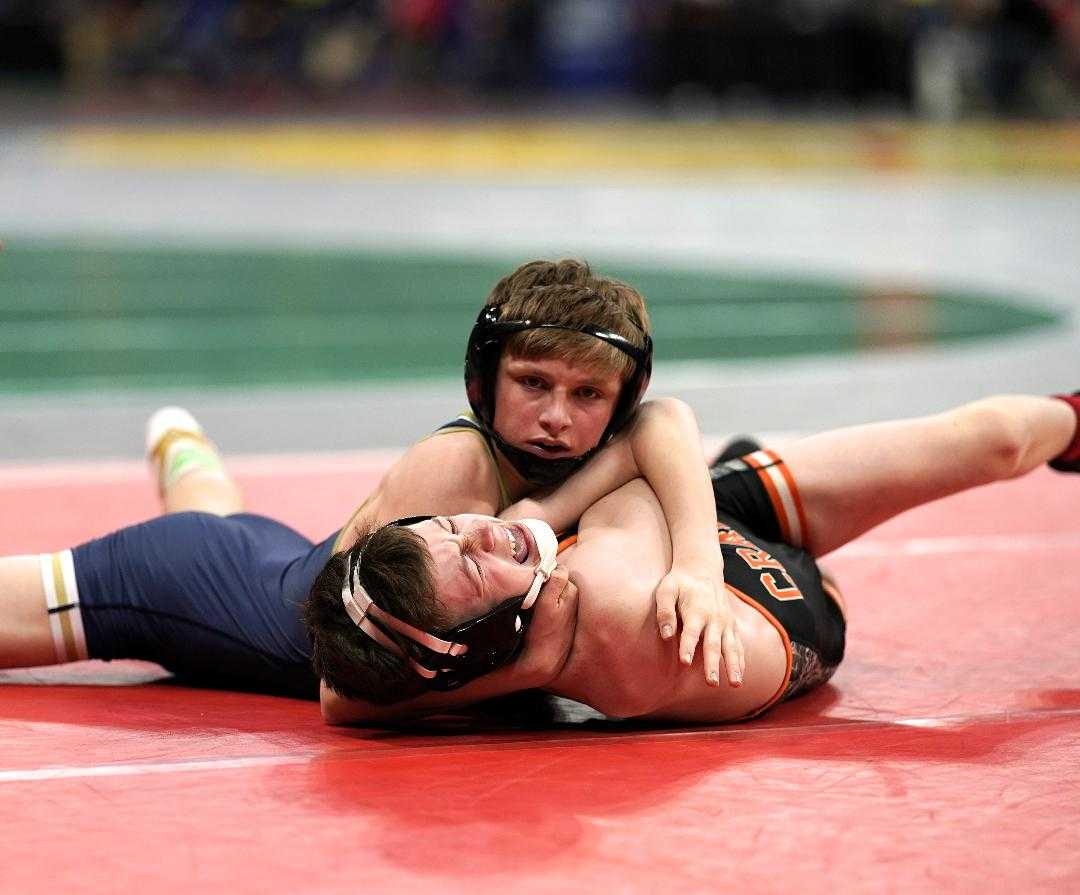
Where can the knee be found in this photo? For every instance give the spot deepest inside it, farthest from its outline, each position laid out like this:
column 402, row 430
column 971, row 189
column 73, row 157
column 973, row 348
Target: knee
column 996, row 436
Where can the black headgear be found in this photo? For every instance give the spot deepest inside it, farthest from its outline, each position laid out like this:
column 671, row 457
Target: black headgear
column 451, row 657
column 481, row 366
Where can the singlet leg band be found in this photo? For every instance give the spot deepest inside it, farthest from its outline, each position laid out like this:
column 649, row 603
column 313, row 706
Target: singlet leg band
column 62, row 606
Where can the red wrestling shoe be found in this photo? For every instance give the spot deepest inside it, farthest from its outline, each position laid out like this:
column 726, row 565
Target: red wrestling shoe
column 1069, row 461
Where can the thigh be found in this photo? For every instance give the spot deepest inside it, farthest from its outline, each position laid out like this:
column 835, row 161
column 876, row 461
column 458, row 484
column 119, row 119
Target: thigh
column 25, row 635
column 853, row 479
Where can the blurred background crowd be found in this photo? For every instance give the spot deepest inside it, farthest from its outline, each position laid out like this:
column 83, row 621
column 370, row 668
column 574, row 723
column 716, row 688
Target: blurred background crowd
column 937, row 59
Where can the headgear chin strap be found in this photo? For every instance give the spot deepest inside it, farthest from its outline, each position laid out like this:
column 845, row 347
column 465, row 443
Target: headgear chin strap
column 481, row 368
column 450, row 659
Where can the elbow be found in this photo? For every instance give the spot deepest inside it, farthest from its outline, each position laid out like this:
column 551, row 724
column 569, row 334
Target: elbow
column 335, row 710
column 330, row 714
column 669, row 409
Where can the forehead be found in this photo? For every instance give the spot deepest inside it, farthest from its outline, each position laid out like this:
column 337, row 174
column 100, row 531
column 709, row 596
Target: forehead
column 558, row 368
column 450, row 577
column 438, row 524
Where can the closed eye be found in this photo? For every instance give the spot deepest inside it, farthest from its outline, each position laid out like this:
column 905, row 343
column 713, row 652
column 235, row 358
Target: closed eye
column 468, row 546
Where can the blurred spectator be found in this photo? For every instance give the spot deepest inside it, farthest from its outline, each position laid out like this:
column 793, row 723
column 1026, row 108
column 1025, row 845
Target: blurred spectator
column 997, row 56
column 939, row 58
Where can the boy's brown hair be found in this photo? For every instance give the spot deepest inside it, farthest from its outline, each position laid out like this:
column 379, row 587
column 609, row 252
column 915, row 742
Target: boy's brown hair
column 396, row 569
column 568, row 293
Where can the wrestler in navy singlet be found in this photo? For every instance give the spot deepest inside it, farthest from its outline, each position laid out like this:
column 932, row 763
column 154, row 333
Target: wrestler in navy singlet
column 214, row 600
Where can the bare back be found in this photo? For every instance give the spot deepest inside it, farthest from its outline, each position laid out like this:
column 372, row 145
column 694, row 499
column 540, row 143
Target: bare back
column 618, row 663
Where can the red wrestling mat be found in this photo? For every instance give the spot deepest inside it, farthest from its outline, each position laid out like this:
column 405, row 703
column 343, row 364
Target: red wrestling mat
column 942, row 758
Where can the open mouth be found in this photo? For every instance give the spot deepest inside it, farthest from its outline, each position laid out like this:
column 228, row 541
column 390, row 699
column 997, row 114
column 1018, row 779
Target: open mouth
column 548, row 448
column 520, row 540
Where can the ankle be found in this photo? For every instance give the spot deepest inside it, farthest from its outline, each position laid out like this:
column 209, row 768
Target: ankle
column 177, row 446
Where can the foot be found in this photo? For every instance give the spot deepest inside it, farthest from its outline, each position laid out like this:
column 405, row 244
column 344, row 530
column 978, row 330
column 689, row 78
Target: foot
column 739, row 446
column 177, row 445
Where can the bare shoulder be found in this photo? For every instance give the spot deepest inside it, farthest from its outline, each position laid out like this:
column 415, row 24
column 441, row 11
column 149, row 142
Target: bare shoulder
column 453, row 473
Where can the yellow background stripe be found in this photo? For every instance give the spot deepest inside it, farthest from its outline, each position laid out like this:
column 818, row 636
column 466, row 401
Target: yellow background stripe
column 557, row 149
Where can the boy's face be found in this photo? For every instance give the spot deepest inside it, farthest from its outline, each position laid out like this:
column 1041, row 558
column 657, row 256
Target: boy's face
column 480, row 561
column 551, row 407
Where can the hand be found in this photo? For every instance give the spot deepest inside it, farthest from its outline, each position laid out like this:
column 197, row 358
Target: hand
column 551, row 632
column 699, row 599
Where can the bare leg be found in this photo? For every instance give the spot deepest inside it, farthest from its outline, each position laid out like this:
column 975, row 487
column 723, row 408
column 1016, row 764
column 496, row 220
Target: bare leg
column 25, row 635
column 853, row 479
column 191, row 474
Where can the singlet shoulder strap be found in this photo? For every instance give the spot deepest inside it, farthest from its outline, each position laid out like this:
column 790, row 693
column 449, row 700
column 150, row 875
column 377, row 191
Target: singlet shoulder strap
column 462, row 421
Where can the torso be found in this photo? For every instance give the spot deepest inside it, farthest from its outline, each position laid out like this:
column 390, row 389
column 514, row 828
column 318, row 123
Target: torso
column 618, row 663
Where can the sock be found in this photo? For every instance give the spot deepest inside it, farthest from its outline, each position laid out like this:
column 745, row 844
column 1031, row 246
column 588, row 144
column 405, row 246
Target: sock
column 176, row 446
column 1069, row 459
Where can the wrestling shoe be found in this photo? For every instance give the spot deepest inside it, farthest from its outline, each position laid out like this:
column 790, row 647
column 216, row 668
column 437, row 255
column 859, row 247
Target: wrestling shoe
column 177, row 445
column 739, row 446
column 1069, row 460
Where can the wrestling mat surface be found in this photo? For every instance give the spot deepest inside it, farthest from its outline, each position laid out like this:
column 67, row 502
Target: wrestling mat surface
column 942, row 757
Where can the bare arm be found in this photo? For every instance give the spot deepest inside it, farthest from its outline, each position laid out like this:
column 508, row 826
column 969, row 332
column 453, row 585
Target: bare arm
column 663, row 445
column 447, row 474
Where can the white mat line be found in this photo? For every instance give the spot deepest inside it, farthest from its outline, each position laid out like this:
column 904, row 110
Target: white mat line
column 170, row 767
column 565, row 738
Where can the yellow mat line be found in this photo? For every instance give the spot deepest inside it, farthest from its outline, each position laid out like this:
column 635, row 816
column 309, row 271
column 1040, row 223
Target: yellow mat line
column 559, row 149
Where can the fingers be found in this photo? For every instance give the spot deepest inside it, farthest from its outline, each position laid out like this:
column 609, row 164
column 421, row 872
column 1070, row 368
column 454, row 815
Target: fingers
column 666, row 619
column 554, row 592
column 721, row 648
column 734, row 655
column 556, row 583
column 551, row 633
column 693, row 623
column 712, row 653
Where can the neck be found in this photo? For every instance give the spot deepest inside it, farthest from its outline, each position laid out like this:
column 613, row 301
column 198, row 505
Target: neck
column 517, row 486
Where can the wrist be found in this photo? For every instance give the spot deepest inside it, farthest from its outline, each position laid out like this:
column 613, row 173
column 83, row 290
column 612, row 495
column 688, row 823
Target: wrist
column 695, row 555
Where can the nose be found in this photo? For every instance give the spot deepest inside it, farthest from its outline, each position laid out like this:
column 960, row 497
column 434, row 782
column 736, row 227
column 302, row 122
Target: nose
column 482, row 535
column 555, row 415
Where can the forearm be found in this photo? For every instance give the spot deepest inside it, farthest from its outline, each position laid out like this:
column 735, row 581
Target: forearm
column 338, row 710
column 666, row 446
column 562, row 506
